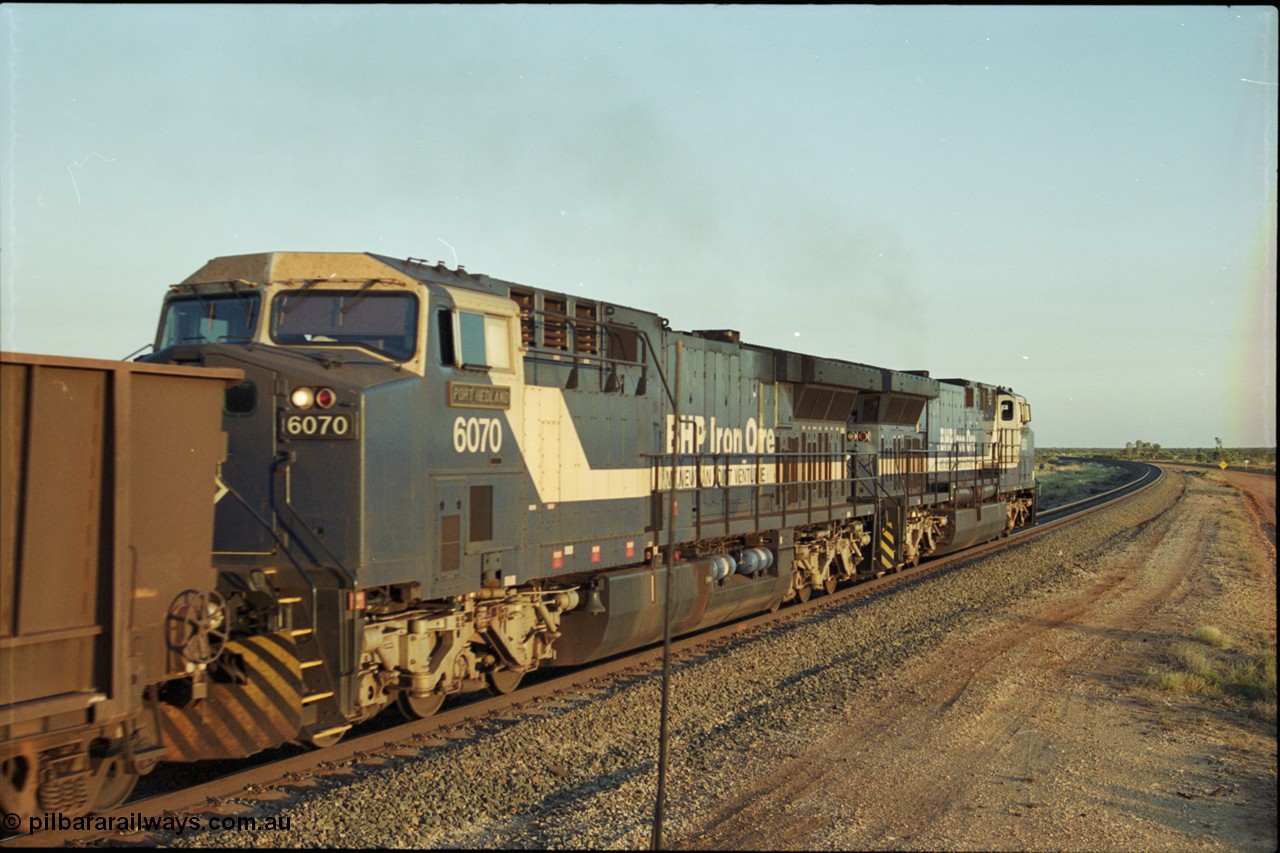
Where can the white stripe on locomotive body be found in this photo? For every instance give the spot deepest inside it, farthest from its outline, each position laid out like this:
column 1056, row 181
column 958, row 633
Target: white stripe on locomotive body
column 561, row 473
column 722, row 475
column 556, row 461
column 555, row 458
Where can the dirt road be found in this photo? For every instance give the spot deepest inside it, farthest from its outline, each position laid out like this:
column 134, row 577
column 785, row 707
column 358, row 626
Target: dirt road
column 1033, row 728
column 1259, row 491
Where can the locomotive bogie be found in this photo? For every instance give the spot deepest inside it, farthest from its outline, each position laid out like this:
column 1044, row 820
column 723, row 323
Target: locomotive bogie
column 493, row 635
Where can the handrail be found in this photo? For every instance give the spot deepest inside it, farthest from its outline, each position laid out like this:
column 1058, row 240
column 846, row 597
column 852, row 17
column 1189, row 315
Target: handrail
column 282, row 471
column 284, row 549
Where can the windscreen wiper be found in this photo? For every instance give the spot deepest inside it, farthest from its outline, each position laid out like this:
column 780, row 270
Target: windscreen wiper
column 360, row 294
column 301, row 293
column 245, row 301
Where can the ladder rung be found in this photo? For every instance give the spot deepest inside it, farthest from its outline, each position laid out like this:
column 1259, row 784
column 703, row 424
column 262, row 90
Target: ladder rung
column 316, row 697
column 292, row 599
column 307, row 664
column 299, row 632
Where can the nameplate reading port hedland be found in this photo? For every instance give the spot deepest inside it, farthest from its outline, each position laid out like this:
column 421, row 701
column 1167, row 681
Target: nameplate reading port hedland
column 468, row 396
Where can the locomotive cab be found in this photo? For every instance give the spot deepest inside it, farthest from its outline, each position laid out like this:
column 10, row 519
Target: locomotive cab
column 374, row 452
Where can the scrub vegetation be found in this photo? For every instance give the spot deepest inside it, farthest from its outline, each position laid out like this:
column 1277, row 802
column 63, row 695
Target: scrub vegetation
column 1062, row 481
column 1259, row 459
column 1211, row 665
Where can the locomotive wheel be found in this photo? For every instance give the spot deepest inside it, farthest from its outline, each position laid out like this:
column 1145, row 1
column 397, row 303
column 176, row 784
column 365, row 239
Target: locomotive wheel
column 419, row 709
column 325, row 741
column 503, row 681
column 803, row 593
column 113, row 782
column 830, row 585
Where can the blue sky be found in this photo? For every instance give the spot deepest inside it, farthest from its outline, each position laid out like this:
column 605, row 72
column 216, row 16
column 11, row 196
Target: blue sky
column 1079, row 203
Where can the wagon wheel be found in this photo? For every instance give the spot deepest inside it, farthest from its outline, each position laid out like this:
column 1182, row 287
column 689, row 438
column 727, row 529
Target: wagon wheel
column 198, row 626
column 415, row 708
column 19, row 781
column 113, row 781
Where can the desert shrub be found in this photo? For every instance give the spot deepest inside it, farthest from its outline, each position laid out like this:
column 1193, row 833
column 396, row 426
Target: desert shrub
column 1194, row 661
column 1210, row 636
column 1254, row 677
column 1219, row 671
column 1176, row 682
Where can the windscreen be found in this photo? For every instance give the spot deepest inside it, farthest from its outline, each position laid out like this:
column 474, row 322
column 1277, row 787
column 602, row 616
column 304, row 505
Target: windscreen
column 386, row 323
column 209, row 320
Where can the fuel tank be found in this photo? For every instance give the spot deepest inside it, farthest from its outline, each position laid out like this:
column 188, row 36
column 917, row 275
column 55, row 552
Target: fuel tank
column 973, row 525
column 632, row 602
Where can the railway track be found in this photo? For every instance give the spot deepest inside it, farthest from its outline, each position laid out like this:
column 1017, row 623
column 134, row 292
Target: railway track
column 229, row 793
column 1142, row 476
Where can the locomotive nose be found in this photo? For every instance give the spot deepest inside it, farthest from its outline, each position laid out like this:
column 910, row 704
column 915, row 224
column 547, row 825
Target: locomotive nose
column 244, row 519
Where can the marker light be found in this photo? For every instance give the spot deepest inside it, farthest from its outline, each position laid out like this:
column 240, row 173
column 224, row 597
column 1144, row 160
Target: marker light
column 325, row 398
column 302, row 398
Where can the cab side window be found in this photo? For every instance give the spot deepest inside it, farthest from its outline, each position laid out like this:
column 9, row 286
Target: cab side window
column 471, row 336
column 475, row 340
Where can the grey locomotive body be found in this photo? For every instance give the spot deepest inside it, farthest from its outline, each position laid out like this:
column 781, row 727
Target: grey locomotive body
column 438, row 481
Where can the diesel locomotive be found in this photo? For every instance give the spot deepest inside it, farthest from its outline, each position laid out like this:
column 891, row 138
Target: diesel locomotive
column 436, row 482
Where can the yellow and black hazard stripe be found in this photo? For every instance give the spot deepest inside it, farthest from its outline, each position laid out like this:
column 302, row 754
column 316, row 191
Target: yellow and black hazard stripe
column 889, row 545
column 235, row 720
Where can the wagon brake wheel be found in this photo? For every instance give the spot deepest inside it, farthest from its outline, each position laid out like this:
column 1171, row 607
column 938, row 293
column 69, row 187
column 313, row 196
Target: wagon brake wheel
column 198, row 626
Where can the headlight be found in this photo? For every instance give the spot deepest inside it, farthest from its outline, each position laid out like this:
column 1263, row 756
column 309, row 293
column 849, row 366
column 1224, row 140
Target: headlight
column 302, row 398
